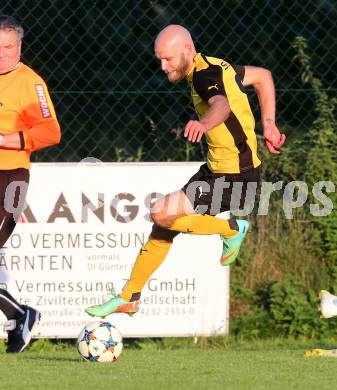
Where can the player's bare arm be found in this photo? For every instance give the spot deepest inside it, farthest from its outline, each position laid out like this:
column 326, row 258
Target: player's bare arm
column 262, row 81
column 219, row 111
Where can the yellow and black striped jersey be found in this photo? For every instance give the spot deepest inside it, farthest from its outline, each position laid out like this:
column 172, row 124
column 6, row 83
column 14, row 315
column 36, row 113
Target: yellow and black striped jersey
column 232, row 145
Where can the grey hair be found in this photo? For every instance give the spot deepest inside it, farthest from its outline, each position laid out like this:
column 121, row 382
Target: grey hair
column 10, row 23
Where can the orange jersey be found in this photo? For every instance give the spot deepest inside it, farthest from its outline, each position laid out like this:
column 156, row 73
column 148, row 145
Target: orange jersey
column 25, row 106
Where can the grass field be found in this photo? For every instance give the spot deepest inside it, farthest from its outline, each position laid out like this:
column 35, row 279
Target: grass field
column 172, row 365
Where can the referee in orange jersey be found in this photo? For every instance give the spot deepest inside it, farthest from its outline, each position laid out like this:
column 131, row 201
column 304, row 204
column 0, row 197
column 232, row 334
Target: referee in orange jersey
column 27, row 123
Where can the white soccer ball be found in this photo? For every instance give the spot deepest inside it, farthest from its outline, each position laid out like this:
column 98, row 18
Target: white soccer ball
column 100, row 341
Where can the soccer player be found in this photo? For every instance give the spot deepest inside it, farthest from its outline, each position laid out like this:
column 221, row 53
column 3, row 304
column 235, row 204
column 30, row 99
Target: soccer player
column 226, row 120
column 27, row 123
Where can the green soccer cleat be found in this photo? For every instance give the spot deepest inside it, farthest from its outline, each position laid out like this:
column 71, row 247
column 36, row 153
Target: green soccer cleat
column 231, row 245
column 114, row 305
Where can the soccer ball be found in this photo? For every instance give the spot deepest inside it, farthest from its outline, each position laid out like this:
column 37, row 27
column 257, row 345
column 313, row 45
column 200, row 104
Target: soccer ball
column 100, row 341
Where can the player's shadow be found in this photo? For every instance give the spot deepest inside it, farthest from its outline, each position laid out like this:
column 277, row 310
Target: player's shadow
column 55, row 358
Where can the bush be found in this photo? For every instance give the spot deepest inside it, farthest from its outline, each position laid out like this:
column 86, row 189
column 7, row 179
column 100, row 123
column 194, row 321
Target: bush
column 281, row 266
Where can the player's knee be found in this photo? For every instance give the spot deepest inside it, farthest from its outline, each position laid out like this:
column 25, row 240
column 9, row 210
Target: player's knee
column 160, row 219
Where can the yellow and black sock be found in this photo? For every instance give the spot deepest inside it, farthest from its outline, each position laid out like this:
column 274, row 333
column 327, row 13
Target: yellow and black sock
column 205, row 224
column 150, row 257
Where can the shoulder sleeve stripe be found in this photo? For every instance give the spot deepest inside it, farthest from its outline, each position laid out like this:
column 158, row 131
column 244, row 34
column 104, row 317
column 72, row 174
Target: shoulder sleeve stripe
column 240, row 71
column 209, row 82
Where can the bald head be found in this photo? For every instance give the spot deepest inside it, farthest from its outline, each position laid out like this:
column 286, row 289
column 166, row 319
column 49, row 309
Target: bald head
column 175, row 49
column 174, row 35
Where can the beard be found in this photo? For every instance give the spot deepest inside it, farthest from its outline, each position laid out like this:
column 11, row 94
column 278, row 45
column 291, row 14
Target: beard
column 181, row 70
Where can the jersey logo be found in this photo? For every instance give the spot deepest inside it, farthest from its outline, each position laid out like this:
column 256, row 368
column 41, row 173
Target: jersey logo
column 213, row 86
column 225, row 65
column 43, row 101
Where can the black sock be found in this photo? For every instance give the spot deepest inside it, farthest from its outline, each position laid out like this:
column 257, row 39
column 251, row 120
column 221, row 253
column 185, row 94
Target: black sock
column 9, row 306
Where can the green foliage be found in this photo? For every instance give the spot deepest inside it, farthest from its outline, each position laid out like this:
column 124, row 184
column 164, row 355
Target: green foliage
column 46, row 345
column 255, row 324
column 320, row 158
column 280, row 269
column 292, row 310
column 284, row 308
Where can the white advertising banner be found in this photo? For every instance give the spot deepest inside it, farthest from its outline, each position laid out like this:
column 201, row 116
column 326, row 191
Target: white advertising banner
column 79, row 236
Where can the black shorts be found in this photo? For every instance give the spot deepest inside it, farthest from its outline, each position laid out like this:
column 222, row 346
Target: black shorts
column 13, row 189
column 212, row 193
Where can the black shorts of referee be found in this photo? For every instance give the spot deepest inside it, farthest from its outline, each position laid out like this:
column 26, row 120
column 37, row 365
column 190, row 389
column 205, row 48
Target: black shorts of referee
column 13, row 190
